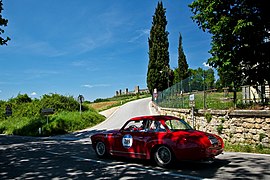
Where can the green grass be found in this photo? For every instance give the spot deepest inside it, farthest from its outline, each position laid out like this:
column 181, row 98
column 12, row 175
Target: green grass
column 208, row 100
column 116, row 101
column 27, row 120
column 59, row 123
column 246, row 148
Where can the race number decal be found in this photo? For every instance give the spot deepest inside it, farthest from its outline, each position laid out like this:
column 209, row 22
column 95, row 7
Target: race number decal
column 127, row 141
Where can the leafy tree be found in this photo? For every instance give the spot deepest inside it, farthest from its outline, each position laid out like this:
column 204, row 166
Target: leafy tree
column 201, row 79
column 20, row 99
column 209, row 78
column 159, row 73
column 196, row 79
column 181, row 72
column 3, row 22
column 59, row 102
column 241, row 38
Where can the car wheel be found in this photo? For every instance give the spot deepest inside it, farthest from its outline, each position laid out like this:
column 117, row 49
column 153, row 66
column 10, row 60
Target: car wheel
column 163, row 156
column 100, row 149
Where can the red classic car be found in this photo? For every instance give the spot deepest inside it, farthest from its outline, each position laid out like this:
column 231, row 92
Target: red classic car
column 162, row 138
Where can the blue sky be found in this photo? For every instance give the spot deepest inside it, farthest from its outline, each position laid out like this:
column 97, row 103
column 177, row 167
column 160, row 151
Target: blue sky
column 86, row 47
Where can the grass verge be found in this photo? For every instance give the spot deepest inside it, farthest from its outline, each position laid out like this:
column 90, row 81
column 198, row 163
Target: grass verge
column 260, row 149
column 115, row 101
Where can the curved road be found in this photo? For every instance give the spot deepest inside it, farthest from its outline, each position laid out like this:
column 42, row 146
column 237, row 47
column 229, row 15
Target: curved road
column 71, row 157
column 122, row 114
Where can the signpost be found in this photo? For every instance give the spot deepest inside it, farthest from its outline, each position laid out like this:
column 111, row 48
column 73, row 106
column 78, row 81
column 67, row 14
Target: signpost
column 80, row 100
column 8, row 110
column 192, row 104
column 46, row 112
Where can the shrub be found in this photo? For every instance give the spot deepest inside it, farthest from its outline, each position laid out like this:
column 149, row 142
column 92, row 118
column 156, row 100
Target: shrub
column 219, row 128
column 208, row 117
column 261, row 136
column 26, row 118
column 71, row 121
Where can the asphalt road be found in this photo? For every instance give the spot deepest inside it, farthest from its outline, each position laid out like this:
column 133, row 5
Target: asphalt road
column 72, row 157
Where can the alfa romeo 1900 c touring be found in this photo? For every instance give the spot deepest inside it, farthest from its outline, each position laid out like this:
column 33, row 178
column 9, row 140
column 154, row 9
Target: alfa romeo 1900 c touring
column 164, row 139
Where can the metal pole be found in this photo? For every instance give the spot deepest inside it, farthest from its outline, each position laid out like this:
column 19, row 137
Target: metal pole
column 192, row 116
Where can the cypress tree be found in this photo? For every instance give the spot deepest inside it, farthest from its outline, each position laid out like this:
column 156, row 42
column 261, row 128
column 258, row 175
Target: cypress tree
column 158, row 74
column 182, row 62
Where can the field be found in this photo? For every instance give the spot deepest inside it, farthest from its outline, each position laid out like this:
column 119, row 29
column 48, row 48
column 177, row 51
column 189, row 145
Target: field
column 104, row 104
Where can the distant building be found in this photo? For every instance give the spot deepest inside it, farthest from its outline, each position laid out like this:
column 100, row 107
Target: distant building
column 137, row 90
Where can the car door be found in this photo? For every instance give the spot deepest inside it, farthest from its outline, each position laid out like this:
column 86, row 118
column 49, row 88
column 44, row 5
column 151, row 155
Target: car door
column 130, row 143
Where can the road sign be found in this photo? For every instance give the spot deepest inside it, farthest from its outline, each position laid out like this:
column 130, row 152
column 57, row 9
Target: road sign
column 47, row 111
column 191, row 97
column 192, row 100
column 8, row 110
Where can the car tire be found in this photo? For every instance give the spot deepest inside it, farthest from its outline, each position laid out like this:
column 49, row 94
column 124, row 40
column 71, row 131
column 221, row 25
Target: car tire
column 163, row 156
column 100, row 149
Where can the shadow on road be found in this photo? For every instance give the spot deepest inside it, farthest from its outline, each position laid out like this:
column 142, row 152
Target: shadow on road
column 71, row 156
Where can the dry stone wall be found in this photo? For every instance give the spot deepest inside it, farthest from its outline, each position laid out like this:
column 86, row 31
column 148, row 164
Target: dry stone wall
column 234, row 126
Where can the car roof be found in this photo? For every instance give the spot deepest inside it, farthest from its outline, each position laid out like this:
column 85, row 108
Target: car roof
column 153, row 118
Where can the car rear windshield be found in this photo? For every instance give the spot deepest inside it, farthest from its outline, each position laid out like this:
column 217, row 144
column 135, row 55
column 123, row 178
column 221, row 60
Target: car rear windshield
column 176, row 125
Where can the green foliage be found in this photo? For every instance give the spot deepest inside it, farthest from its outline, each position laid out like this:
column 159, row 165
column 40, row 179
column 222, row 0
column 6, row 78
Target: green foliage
column 59, row 102
column 261, row 136
column 246, row 148
column 181, row 72
column 240, row 38
column 21, row 126
column 208, row 117
column 201, row 79
column 219, row 128
column 71, row 121
column 222, row 120
column 159, row 73
column 100, row 100
column 26, row 116
column 21, row 98
column 3, row 22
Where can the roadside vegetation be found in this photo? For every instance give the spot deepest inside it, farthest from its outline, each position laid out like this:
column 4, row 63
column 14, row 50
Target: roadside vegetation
column 25, row 116
column 104, row 104
column 246, row 148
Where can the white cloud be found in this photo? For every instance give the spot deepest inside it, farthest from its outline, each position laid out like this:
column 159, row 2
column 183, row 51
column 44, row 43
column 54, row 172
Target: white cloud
column 140, row 33
column 96, row 85
column 33, row 94
column 206, row 65
column 0, row 91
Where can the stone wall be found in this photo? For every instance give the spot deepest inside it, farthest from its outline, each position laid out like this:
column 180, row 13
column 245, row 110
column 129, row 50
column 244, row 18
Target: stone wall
column 234, row 126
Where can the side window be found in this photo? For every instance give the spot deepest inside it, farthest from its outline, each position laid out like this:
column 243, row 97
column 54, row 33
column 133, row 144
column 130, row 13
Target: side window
column 132, row 126
column 137, row 126
column 176, row 125
column 156, row 126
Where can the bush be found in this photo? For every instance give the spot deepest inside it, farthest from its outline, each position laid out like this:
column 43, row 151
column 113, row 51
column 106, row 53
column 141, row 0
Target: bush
column 219, row 128
column 71, row 121
column 26, row 118
column 208, row 117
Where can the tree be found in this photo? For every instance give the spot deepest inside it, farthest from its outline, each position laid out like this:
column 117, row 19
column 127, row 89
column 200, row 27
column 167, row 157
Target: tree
column 181, row 72
column 209, row 78
column 3, row 22
column 159, row 73
column 201, row 79
column 240, row 37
